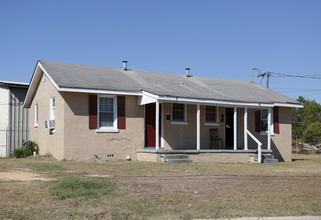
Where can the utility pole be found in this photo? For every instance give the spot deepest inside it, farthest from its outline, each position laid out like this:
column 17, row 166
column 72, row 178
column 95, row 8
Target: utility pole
column 253, row 73
column 267, row 78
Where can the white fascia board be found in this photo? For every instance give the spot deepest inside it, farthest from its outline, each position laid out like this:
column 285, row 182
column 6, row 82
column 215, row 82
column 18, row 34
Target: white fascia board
column 97, row 91
column 205, row 101
column 144, row 99
column 34, row 75
column 150, row 95
column 48, row 76
column 288, row 105
column 213, row 102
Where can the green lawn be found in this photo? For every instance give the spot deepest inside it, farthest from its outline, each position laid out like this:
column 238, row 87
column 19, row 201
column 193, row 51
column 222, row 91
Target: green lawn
column 48, row 189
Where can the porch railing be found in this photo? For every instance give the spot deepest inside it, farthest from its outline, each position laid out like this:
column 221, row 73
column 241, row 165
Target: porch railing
column 259, row 146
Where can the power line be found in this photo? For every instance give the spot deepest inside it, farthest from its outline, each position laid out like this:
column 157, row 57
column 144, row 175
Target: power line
column 273, row 74
column 316, row 76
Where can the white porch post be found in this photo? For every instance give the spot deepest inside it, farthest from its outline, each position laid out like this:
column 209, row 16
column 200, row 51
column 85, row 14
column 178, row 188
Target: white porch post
column 245, row 129
column 162, row 126
column 157, row 126
column 198, row 126
column 235, row 128
column 269, row 130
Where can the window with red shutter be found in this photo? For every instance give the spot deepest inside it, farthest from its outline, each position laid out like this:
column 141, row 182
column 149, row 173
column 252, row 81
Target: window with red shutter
column 276, row 120
column 257, row 121
column 92, row 111
column 121, row 117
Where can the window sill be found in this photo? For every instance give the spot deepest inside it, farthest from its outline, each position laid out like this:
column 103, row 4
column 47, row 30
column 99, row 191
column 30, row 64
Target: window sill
column 179, row 122
column 107, row 130
column 211, row 124
column 266, row 133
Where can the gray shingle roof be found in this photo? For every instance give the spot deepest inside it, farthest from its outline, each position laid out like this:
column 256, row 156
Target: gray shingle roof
column 104, row 78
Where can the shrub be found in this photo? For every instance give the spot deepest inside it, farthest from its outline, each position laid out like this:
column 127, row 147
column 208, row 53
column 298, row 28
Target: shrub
column 27, row 150
column 19, row 153
column 30, row 147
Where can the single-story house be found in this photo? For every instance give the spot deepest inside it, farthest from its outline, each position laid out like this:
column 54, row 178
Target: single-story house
column 14, row 119
column 79, row 112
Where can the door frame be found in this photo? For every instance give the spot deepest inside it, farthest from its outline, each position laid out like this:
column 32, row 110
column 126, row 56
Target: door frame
column 161, row 124
column 225, row 135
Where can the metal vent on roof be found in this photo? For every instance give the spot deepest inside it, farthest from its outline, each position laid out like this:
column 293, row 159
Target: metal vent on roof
column 125, row 64
column 187, row 71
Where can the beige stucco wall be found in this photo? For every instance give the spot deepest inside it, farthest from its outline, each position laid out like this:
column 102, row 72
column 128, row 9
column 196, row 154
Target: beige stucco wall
column 182, row 137
column 73, row 140
column 148, row 157
column 281, row 143
column 202, row 157
column 221, row 157
column 48, row 143
column 81, row 143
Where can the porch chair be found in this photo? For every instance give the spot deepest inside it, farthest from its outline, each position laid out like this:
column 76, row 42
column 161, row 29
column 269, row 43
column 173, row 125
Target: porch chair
column 216, row 142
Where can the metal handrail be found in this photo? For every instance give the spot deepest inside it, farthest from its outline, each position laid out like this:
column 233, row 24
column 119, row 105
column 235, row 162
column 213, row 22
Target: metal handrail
column 259, row 146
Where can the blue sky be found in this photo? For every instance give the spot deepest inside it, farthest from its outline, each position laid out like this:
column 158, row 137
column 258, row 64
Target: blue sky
column 223, row 39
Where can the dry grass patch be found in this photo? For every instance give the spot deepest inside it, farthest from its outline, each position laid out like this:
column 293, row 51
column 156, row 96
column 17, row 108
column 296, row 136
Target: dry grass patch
column 74, row 187
column 141, row 190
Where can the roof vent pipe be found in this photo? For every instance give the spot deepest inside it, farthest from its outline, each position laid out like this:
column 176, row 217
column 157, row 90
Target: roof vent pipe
column 125, row 65
column 187, row 72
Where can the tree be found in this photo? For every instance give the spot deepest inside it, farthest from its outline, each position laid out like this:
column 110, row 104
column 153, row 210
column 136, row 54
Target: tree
column 312, row 133
column 303, row 117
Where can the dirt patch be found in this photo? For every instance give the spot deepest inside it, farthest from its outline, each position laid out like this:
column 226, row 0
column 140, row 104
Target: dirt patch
column 19, row 175
column 98, row 175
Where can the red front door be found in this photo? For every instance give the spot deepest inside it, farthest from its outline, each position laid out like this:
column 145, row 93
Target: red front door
column 150, row 118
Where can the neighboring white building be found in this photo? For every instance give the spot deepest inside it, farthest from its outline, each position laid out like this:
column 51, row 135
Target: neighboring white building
column 14, row 119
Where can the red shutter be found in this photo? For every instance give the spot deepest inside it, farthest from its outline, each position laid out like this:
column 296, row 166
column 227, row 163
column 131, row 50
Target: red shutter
column 121, row 118
column 92, row 111
column 257, row 121
column 276, row 120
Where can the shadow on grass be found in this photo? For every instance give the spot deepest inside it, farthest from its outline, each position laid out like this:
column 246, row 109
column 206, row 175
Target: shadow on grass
column 293, row 160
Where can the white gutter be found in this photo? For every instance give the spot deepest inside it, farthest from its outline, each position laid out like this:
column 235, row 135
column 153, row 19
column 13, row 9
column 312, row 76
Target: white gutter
column 288, row 105
column 62, row 89
column 217, row 102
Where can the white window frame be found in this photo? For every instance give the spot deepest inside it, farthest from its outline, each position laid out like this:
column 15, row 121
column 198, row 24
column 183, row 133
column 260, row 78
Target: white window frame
column 111, row 128
column 185, row 116
column 272, row 127
column 36, row 116
column 206, row 123
column 52, row 108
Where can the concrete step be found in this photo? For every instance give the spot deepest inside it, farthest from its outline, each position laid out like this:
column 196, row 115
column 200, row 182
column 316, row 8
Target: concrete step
column 264, row 156
column 268, row 156
column 175, row 156
column 270, row 161
column 178, row 161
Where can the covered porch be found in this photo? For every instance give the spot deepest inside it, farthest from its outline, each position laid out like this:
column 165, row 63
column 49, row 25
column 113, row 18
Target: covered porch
column 185, row 126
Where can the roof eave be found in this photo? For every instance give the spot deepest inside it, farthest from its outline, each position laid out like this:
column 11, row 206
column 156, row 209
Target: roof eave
column 218, row 102
column 36, row 77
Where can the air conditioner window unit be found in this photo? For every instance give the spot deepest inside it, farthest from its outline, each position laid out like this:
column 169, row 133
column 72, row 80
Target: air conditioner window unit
column 51, row 124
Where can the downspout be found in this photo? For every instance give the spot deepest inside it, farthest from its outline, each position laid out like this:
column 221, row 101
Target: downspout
column 22, row 123
column 18, row 122
column 13, row 123
column 27, row 124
